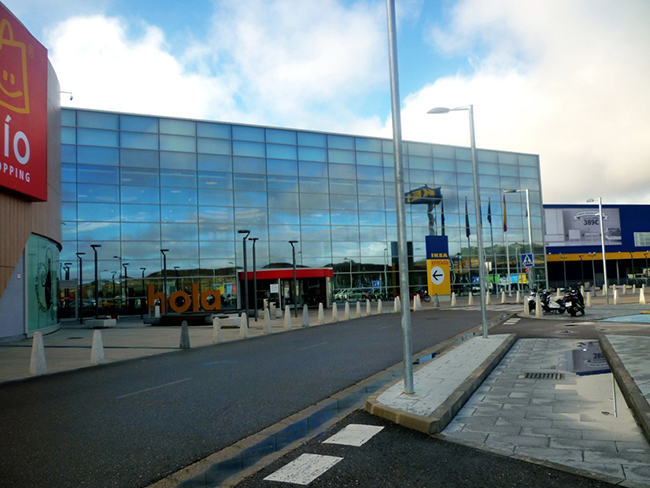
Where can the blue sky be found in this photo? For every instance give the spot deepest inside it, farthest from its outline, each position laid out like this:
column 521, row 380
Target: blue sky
column 565, row 79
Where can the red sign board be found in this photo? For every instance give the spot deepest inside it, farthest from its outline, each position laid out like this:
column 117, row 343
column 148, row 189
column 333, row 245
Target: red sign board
column 23, row 109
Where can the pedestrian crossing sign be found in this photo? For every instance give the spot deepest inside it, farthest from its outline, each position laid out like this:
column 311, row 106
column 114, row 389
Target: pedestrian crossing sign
column 527, row 260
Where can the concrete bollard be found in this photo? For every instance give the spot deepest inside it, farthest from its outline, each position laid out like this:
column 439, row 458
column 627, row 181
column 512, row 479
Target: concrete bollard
column 436, row 301
column 397, row 305
column 346, row 313
column 368, row 308
column 470, row 299
column 615, row 296
column 268, row 328
column 518, row 297
column 156, row 311
column 97, row 350
column 503, row 297
column 453, row 299
column 38, row 365
column 538, row 307
column 588, row 300
column 487, row 298
column 641, row 296
column 335, row 313
column 321, row 314
column 379, row 307
column 526, row 310
column 634, row 289
column 216, row 330
column 415, row 303
column 185, row 336
column 358, row 315
column 624, row 289
column 287, row 318
column 557, row 293
column 305, row 316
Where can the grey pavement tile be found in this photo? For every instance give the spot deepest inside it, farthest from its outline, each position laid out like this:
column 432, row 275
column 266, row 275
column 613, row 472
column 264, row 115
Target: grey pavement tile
column 530, row 408
column 596, row 432
column 516, row 440
column 623, row 446
column 585, row 444
column 558, row 417
column 474, row 421
column 627, row 458
column 474, row 437
column 566, row 409
column 536, row 423
column 493, row 429
column 551, row 432
column 637, row 473
column 550, row 454
column 614, row 469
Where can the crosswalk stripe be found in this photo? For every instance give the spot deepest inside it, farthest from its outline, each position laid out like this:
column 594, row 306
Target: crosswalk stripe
column 354, row 435
column 304, row 469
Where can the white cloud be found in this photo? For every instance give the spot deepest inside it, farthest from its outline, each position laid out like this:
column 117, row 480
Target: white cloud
column 566, row 80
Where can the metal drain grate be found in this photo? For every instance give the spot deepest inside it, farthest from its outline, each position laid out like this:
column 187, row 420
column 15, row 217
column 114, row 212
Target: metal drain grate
column 544, row 376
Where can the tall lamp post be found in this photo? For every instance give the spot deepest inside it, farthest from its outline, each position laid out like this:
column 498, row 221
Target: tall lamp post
column 632, row 260
column 144, row 295
column 81, row 285
column 602, row 243
column 245, row 233
column 646, row 266
column 95, row 246
column 593, row 267
column 113, row 273
column 477, row 207
column 385, row 274
column 126, row 285
column 176, row 268
column 530, row 231
column 582, row 269
column 349, row 260
column 564, row 258
column 295, row 281
column 254, row 239
column 163, row 251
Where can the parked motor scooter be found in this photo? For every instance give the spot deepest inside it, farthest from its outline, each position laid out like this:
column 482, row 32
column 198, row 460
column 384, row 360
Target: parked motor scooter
column 574, row 302
column 549, row 305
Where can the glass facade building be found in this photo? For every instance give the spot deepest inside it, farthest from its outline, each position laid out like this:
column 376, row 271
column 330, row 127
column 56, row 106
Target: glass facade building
column 136, row 184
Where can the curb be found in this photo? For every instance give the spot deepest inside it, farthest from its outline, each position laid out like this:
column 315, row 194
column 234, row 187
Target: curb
column 631, row 392
column 440, row 418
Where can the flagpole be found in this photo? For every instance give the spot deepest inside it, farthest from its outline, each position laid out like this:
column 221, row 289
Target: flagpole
column 505, row 240
column 494, row 254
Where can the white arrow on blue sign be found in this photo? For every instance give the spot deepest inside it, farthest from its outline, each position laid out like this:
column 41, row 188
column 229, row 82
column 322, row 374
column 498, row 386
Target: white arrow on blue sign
column 527, row 260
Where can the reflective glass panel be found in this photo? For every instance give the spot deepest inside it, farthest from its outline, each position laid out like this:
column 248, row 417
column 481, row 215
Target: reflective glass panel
column 170, row 177
column 140, row 194
column 316, row 217
column 214, row 163
column 315, row 233
column 313, row 185
column 343, row 202
column 98, row 155
column 244, row 133
column 68, row 173
column 215, row 197
column 140, row 213
column 213, row 181
column 177, row 160
column 178, row 127
column 217, row 215
column 68, row 212
column 137, row 140
column 177, row 143
column 68, row 153
column 69, row 192
column 97, row 119
column 216, row 232
column 250, row 216
column 137, row 123
column 138, row 157
column 98, row 212
column 140, row 232
column 314, row 200
column 179, row 232
column 283, row 183
column 345, row 171
column 343, row 187
column 68, row 135
column 279, row 151
column 97, row 193
column 98, row 231
column 97, row 137
column 284, row 216
column 179, row 196
column 214, row 146
column 343, row 217
column 280, row 136
column 312, row 154
column 364, row 144
column 171, row 214
column 206, row 129
column 311, row 139
column 369, row 159
column 284, row 233
column 250, row 182
column 249, row 165
column 339, row 156
column 282, row 167
column 250, row 199
column 138, row 176
column 97, row 174
column 282, row 200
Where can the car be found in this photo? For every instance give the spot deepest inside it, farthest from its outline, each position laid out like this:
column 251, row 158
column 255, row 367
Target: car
column 341, row 295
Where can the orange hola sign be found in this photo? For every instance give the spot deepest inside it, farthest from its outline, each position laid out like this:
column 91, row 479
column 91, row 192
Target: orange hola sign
column 197, row 301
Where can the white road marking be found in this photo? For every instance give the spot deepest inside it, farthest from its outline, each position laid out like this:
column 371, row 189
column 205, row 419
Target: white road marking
column 354, row 435
column 385, row 327
column 304, row 469
column 153, row 388
column 311, row 347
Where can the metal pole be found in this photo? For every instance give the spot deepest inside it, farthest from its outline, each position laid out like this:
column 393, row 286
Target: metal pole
column 126, row 286
column 399, row 199
column 81, row 285
column 505, row 238
column 582, row 269
column 531, row 269
column 386, row 275
column 163, row 251
column 95, row 246
column 479, row 224
column 246, row 233
column 295, row 280
column 564, row 258
column 254, row 239
column 144, row 294
column 632, row 260
column 593, row 268
column 602, row 243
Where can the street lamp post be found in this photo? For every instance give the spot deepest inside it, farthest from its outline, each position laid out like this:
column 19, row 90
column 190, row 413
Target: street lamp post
column 593, row 268
column 582, row 269
column 245, row 233
column 647, row 272
column 176, row 268
column 144, row 295
column 295, row 281
column 632, row 261
column 113, row 273
column 126, row 285
column 530, row 269
column 95, row 246
column 477, row 207
column 564, row 258
column 254, row 239
column 81, row 285
column 385, row 274
column 602, row 243
column 349, row 260
column 163, row 251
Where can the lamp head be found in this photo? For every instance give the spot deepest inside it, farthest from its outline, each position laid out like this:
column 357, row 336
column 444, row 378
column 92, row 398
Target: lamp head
column 439, row 110
column 253, row 239
column 79, row 254
column 95, row 246
column 125, row 264
column 164, row 251
column 244, row 231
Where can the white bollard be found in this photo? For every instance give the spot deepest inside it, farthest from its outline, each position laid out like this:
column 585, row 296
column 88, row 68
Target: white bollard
column 453, row 299
column 436, row 301
column 538, row 307
column 470, row 299
column 624, row 289
column 368, row 308
column 156, row 311
column 615, row 296
column 397, row 305
column 287, row 318
column 346, row 313
column 557, row 294
column 97, row 351
column 335, row 313
column 379, row 306
column 588, row 301
column 321, row 314
column 38, row 365
column 243, row 326
column 518, row 297
column 305, row 316
column 641, row 296
column 487, row 298
column 634, row 289
column 359, row 310
column 268, row 329
column 185, row 336
column 216, row 330
column 503, row 297
column 526, row 310
column 415, row 303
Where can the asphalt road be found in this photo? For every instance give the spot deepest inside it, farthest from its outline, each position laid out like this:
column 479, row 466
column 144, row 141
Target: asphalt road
column 400, row 458
column 132, row 423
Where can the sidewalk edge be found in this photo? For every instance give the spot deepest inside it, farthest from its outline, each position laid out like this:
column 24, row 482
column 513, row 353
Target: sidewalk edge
column 440, row 418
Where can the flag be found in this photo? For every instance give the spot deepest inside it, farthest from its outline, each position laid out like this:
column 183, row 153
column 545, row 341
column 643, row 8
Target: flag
column 442, row 216
column 505, row 217
column 489, row 212
column 467, row 232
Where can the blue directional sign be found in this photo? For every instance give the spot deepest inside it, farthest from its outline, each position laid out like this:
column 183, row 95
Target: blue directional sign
column 527, row 260
column 376, row 283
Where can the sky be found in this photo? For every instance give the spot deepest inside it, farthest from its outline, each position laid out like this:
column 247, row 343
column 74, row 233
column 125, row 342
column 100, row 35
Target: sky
column 565, row 79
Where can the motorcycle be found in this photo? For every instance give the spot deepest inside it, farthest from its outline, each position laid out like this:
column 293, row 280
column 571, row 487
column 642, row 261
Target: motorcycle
column 548, row 304
column 574, row 302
